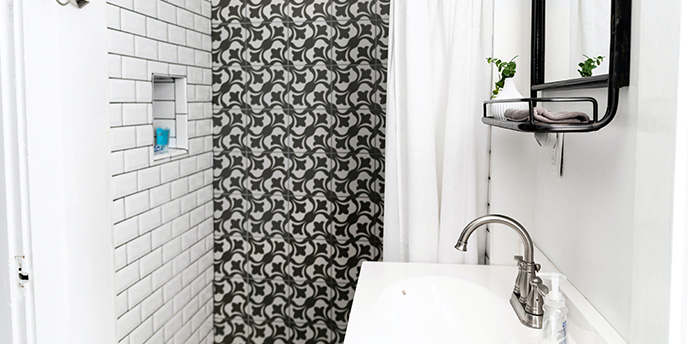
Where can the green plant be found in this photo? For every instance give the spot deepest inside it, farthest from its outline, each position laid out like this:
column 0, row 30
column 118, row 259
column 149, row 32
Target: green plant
column 505, row 69
column 589, row 64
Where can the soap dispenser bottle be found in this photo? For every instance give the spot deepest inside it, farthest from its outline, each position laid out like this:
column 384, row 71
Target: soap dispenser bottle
column 554, row 322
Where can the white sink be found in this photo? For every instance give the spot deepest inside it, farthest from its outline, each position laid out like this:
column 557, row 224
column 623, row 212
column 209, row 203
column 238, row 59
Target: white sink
column 443, row 309
column 400, row 303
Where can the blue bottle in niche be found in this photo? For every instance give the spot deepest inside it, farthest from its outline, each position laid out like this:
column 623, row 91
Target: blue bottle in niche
column 162, row 140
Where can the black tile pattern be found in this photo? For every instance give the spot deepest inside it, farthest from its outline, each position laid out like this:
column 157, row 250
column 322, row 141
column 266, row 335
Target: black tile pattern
column 299, row 97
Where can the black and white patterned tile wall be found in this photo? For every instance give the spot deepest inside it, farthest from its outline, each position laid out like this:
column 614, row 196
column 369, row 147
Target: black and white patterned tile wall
column 299, row 90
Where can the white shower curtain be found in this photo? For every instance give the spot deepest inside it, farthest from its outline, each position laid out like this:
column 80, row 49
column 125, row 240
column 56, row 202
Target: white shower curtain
column 436, row 154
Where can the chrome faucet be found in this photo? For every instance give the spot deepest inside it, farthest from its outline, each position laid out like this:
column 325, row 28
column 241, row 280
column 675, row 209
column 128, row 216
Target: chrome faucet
column 529, row 292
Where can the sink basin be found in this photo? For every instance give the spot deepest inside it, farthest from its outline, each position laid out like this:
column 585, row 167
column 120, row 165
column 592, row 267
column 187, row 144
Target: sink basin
column 443, row 309
column 411, row 303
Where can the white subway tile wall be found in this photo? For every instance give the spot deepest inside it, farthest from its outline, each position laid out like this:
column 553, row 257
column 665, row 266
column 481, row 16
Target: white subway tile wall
column 162, row 210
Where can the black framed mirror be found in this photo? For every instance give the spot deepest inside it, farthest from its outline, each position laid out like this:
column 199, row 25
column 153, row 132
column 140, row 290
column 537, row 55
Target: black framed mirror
column 562, row 31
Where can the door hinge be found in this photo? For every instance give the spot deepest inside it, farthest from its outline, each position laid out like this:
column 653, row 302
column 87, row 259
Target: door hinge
column 22, row 272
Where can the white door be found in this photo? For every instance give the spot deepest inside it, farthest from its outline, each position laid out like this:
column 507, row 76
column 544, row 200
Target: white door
column 16, row 297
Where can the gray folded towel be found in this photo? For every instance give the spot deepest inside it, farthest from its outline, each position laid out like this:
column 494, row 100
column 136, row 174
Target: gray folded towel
column 543, row 115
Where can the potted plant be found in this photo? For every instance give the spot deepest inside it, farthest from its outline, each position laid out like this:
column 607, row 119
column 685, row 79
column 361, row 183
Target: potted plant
column 506, row 70
column 589, row 64
column 505, row 88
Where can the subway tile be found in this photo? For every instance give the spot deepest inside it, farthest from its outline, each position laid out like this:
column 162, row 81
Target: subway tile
column 194, row 39
column 161, row 235
column 156, row 29
column 114, row 66
column 162, row 316
column 128, row 322
column 121, row 304
column 122, row 3
column 171, row 210
column 193, row 5
column 126, row 277
column 176, row 34
column 139, row 291
column 123, row 185
column 144, row 91
column 185, row 55
column 180, row 225
column 151, row 304
column 125, row 231
column 118, row 210
column 172, row 327
column 121, row 42
column 157, row 67
column 133, row 68
column 145, row 48
column 120, row 257
column 133, row 22
column 112, row 16
column 147, row 7
column 136, row 203
column 168, row 53
column 122, row 90
column 185, row 18
column 142, row 332
column 144, row 135
column 134, row 114
column 167, row 12
column 180, row 262
column 149, row 220
column 160, row 195
column 150, row 262
column 135, row 159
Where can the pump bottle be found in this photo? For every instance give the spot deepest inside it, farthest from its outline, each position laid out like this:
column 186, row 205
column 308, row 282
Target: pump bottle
column 554, row 322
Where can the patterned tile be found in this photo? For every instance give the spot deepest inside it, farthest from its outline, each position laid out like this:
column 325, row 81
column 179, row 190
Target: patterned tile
column 267, row 215
column 230, row 215
column 229, row 130
column 267, row 258
column 355, row 86
column 228, row 11
column 266, row 86
column 309, row 43
column 310, row 174
column 299, row 95
column 267, row 43
column 267, row 130
column 229, row 45
column 311, row 9
column 310, row 130
column 310, row 86
column 309, row 217
column 229, row 170
column 359, row 9
column 267, row 10
column 267, row 172
column 354, row 42
column 229, row 87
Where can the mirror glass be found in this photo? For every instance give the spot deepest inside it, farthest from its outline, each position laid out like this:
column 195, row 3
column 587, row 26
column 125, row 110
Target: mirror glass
column 574, row 28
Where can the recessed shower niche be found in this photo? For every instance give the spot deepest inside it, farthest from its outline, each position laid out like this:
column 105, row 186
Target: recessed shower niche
column 170, row 116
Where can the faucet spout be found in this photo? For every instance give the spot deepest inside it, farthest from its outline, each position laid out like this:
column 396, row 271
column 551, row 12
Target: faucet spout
column 462, row 243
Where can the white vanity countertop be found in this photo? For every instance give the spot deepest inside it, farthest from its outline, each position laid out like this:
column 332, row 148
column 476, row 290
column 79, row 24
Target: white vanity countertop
column 370, row 324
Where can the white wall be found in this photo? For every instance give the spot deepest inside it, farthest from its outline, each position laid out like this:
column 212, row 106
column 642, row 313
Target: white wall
column 607, row 222
column 66, row 98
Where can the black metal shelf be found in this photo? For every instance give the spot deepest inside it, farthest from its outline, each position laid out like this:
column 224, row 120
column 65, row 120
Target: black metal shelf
column 597, row 81
column 618, row 77
column 533, row 126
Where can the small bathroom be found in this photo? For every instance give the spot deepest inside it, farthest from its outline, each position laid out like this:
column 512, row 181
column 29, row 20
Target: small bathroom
column 343, row 171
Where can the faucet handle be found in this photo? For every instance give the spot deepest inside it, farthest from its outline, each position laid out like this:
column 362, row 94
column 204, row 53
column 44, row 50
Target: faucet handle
column 536, row 296
column 537, row 267
column 518, row 259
